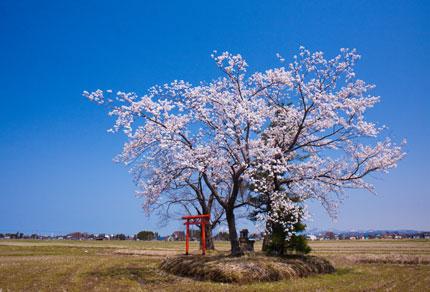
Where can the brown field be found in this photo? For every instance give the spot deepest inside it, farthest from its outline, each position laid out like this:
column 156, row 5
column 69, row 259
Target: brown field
column 373, row 265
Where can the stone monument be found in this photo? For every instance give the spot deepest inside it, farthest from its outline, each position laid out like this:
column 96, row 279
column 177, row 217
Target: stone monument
column 245, row 243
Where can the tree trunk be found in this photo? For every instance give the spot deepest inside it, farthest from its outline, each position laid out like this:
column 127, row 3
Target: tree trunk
column 266, row 241
column 274, row 241
column 209, row 239
column 234, row 241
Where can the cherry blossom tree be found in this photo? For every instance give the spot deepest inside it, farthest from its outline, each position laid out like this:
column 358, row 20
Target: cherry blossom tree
column 196, row 138
column 203, row 146
column 318, row 143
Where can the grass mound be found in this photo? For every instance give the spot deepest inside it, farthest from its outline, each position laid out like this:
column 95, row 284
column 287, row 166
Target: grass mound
column 246, row 269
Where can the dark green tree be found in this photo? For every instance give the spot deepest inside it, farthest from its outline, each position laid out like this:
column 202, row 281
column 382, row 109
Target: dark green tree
column 278, row 240
column 120, row 236
column 145, row 235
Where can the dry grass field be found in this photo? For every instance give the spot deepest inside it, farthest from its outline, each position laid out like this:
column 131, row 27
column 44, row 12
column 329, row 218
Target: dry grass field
column 26, row 265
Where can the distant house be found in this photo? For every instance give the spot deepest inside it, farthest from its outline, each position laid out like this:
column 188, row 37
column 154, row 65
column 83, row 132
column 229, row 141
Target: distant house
column 100, row 237
column 350, row 237
column 74, row 235
column 320, row 237
column 311, row 237
column 178, row 235
column 383, row 236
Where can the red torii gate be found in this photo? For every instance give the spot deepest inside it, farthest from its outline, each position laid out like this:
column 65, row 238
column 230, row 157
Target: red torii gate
column 195, row 220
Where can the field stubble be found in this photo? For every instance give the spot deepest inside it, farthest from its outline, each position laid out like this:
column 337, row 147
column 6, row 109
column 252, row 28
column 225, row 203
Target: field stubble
column 397, row 265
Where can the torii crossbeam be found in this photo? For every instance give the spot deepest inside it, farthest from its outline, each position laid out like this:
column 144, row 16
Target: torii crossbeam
column 195, row 220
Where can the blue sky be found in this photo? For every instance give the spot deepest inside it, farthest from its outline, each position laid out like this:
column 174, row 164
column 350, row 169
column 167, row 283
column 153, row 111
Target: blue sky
column 57, row 174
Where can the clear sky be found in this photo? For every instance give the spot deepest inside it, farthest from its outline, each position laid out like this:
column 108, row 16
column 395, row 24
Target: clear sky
column 57, row 174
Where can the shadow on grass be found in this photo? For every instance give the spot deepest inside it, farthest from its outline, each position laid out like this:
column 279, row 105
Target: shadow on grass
column 141, row 275
column 343, row 271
